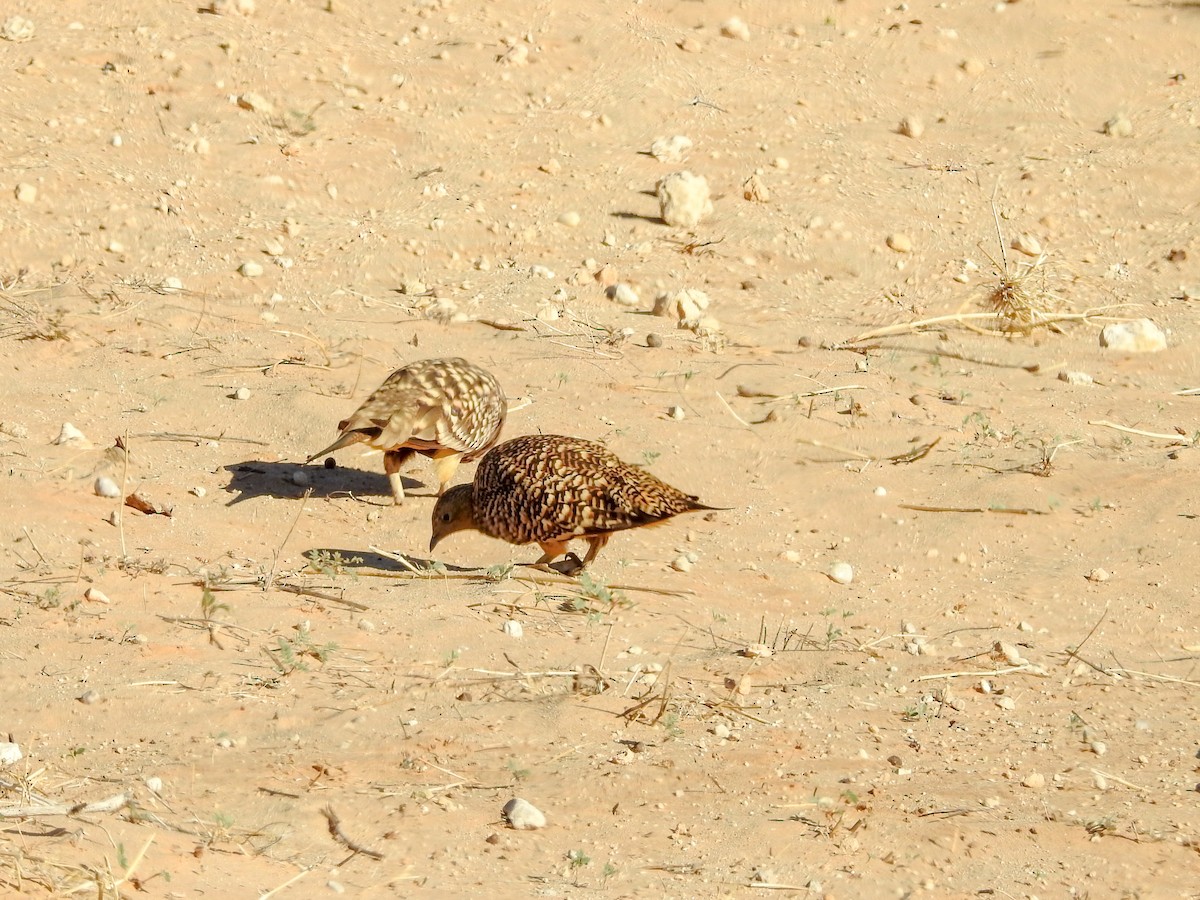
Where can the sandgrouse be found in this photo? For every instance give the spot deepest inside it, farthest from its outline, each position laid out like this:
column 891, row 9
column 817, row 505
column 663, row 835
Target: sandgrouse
column 549, row 489
column 447, row 409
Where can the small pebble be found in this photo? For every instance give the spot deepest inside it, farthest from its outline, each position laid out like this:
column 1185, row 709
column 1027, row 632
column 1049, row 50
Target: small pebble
column 671, row 150
column 251, row 269
column 154, row 783
column 757, row 651
column 1034, row 780
column 106, row 487
column 570, row 218
column 300, row 478
column 26, row 192
column 542, row 272
column 1006, row 703
column 69, row 433
column 624, row 294
column 17, row 29
column 242, row 393
column 116, row 140
column 92, row 595
column 911, row 127
column 1099, row 747
column 1118, row 126
column 677, row 413
column 900, row 242
column 1011, row 654
column 1098, row 576
column 654, row 340
column 681, row 564
column 89, row 697
column 366, row 625
column 880, row 491
column 972, row 66
column 225, row 743
column 1076, row 377
column 841, row 573
column 9, row 753
column 1026, row 243
column 721, row 731
column 735, row 28
column 199, row 491
column 523, row 815
column 513, row 628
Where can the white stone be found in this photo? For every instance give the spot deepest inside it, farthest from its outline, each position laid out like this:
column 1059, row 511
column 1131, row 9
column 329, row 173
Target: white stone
column 1035, row 780
column 841, row 573
column 106, row 487
column 69, row 433
column 686, row 306
column 251, row 269
column 9, row 753
column 26, row 192
column 17, row 29
column 1026, row 243
column 624, row 294
column 912, row 127
column 570, row 218
column 681, row 564
column 154, row 783
column 523, row 815
column 683, row 199
column 1076, row 377
column 242, row 393
column 199, row 491
column 1098, row 576
column 94, row 595
column 300, row 478
column 735, row 28
column 900, row 242
column 671, row 150
column 1118, row 126
column 513, row 628
column 1138, row 336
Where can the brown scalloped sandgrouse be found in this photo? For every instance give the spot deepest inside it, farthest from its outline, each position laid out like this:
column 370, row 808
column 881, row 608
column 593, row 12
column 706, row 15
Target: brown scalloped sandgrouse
column 447, row 409
column 549, row 489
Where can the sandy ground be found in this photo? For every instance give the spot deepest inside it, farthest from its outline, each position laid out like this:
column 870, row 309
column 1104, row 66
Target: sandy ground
column 1001, row 703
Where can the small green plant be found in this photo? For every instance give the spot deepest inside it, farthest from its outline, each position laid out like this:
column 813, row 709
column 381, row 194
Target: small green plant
column 832, row 631
column 649, row 456
column 516, row 771
column 51, row 599
column 671, row 725
column 608, row 872
column 593, row 591
column 332, row 563
column 578, row 859
column 122, row 859
column 209, row 605
column 289, row 653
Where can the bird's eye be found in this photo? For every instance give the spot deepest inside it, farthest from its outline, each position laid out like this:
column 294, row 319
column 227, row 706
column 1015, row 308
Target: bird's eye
column 445, row 517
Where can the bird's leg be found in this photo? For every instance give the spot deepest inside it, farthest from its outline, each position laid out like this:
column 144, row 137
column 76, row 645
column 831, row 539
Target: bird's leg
column 445, row 463
column 393, row 460
column 551, row 550
column 595, row 545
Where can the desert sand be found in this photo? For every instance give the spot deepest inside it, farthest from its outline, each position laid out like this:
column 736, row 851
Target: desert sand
column 943, row 643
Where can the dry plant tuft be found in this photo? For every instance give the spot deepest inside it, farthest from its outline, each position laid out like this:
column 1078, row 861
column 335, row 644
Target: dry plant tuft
column 1023, row 300
column 26, row 316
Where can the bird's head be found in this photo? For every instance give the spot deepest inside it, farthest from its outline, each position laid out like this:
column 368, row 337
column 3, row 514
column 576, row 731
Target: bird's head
column 453, row 512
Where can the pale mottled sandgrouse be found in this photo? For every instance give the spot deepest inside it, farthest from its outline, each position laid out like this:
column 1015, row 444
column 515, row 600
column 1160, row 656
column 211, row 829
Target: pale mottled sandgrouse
column 549, row 489
column 447, row 409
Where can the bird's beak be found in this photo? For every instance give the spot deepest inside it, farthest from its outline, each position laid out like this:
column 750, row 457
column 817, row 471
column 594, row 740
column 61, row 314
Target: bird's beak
column 433, row 542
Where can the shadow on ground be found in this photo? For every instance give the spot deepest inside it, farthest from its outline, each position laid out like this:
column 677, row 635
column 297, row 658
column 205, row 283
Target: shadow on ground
column 255, row 478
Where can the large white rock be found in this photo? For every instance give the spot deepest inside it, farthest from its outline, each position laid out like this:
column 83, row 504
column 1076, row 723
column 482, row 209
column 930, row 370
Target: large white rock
column 1138, row 336
column 683, row 199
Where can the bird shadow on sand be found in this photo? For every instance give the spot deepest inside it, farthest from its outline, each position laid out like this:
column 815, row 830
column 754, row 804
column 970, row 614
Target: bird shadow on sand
column 334, row 558
column 255, row 478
